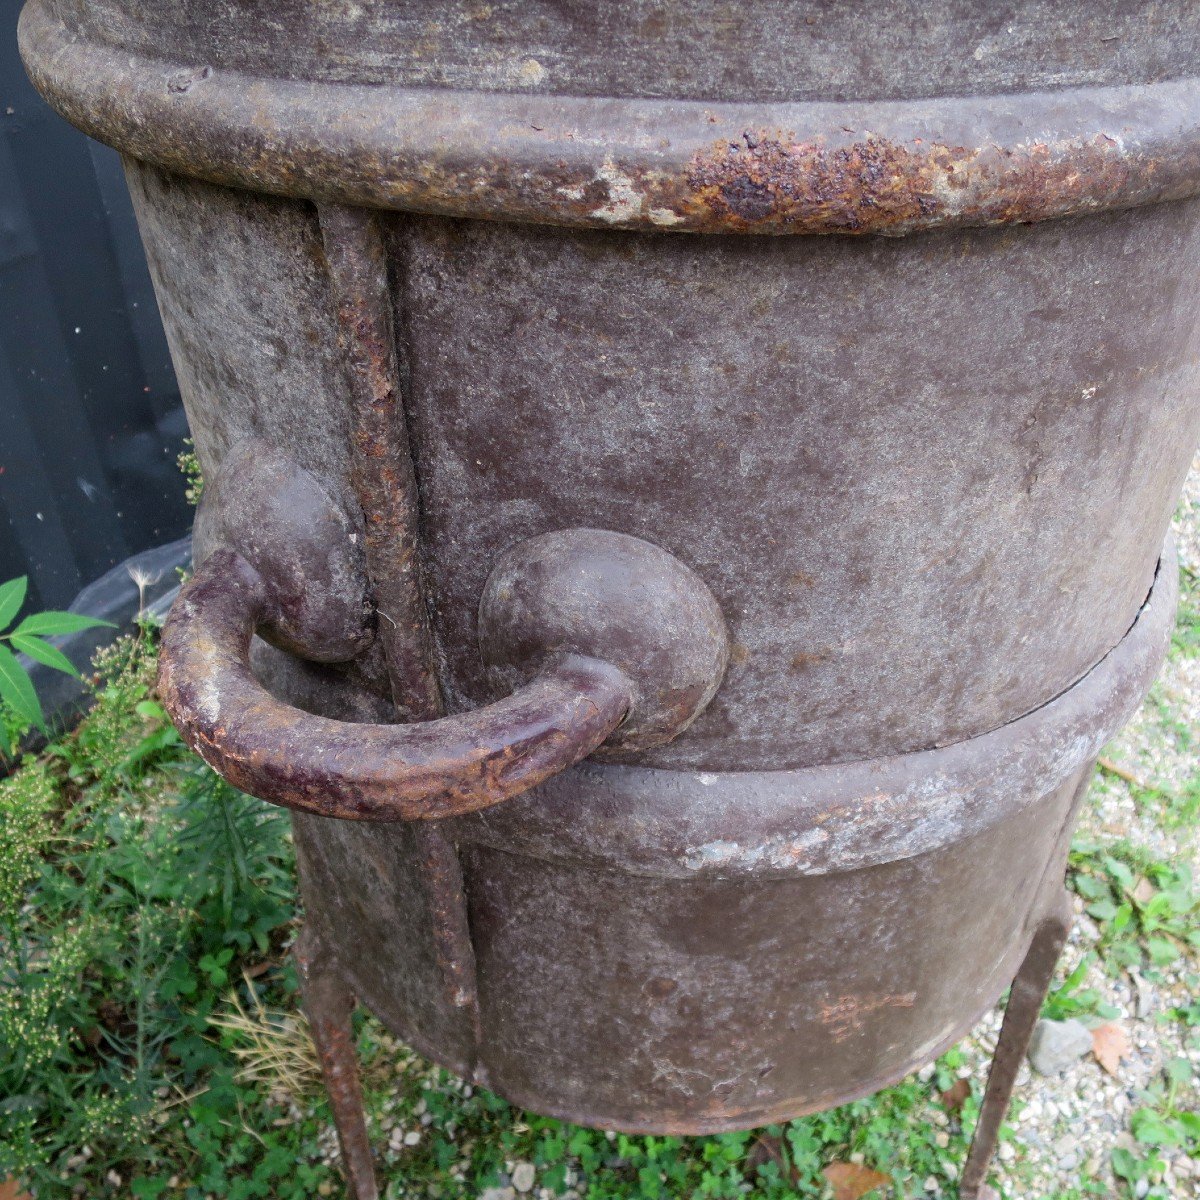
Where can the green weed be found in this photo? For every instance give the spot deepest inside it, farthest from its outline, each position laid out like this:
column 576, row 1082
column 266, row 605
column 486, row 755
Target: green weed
column 22, row 708
column 1185, row 641
column 1160, row 1124
column 1147, row 910
column 113, row 951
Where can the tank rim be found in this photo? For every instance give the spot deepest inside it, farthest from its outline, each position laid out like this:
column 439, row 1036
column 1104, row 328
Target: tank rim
column 880, row 167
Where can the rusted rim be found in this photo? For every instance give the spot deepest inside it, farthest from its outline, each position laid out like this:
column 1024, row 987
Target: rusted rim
column 858, row 168
column 844, row 817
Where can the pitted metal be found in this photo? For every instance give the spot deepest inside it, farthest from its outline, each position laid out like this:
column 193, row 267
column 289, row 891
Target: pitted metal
column 617, row 598
column 307, row 550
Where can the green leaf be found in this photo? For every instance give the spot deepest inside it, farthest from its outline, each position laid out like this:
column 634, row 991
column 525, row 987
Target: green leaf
column 1077, row 977
column 1123, row 916
column 150, row 745
column 1179, row 1070
column 12, row 596
column 60, row 622
column 1127, row 1165
column 1102, row 910
column 1161, row 951
column 1152, row 1130
column 16, row 690
column 1119, row 871
column 1089, row 887
column 43, row 652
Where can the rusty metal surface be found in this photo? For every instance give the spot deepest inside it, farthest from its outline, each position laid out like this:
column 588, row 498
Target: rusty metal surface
column 927, row 479
column 394, row 916
column 701, row 49
column 773, row 413
column 598, row 636
column 700, row 1005
column 441, row 872
column 613, row 597
column 706, row 165
column 360, row 771
column 267, row 508
column 381, row 459
column 383, row 479
column 831, row 818
column 328, row 1005
column 1029, row 990
column 251, row 320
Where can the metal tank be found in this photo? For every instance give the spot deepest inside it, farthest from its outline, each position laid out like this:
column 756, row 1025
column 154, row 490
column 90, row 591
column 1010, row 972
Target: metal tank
column 702, row 472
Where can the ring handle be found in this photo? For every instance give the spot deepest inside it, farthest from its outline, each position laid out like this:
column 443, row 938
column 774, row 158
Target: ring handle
column 605, row 638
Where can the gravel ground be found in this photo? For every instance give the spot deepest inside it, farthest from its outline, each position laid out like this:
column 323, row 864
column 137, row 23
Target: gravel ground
column 1067, row 1126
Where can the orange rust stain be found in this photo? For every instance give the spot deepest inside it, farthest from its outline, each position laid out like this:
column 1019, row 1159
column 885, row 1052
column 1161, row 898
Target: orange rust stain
column 874, row 184
column 847, row 1015
column 803, row 659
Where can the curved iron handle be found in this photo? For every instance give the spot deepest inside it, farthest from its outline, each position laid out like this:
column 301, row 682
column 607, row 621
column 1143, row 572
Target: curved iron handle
column 567, row 702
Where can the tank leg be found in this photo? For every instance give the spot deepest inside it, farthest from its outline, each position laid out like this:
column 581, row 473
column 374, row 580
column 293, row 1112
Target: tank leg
column 329, row 1004
column 1024, row 1004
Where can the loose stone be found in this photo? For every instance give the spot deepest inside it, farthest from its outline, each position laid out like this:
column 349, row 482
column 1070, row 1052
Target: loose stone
column 1056, row 1045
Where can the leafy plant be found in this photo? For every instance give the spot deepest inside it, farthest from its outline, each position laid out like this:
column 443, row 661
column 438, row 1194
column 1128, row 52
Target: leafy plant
column 113, row 952
column 1173, row 808
column 1070, row 999
column 1160, row 1124
column 1185, row 639
column 29, row 637
column 1147, row 910
column 193, row 476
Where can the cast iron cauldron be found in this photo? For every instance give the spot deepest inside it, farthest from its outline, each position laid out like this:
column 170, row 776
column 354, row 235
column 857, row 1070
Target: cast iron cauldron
column 779, row 407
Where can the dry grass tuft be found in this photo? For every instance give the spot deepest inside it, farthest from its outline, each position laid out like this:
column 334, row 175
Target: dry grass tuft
column 274, row 1048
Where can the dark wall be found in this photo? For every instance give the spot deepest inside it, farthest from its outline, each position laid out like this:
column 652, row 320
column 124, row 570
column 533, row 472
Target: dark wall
column 90, row 415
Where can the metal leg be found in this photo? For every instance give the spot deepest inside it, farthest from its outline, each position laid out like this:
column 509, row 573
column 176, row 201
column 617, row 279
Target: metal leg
column 329, row 1004
column 1024, row 1004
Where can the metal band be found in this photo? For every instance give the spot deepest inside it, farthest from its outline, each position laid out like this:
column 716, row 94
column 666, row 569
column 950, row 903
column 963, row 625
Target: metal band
column 820, row 820
column 808, row 168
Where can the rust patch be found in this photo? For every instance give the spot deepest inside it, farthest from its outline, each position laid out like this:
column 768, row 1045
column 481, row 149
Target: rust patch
column 873, row 184
column 847, row 1015
column 803, row 659
column 381, row 460
column 763, row 177
column 364, row 771
column 328, row 1005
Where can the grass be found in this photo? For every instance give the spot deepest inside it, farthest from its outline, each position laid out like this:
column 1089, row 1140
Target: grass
column 150, row 1043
